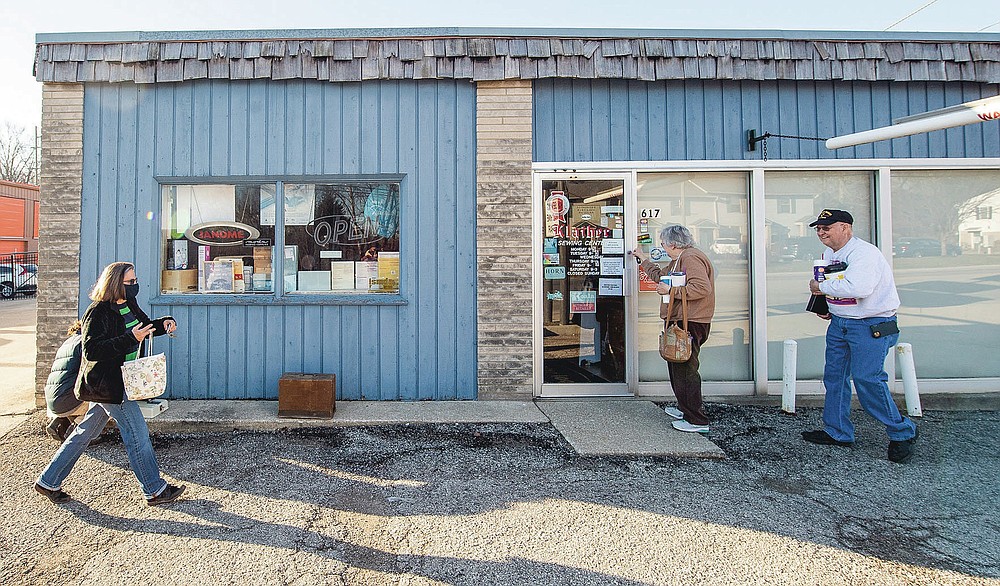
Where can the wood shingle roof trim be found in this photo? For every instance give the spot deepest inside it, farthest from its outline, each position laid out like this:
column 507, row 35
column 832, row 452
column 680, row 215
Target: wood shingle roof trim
column 487, row 58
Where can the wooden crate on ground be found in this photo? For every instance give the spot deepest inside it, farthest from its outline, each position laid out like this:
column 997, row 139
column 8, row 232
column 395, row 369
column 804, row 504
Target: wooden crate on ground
column 307, row 395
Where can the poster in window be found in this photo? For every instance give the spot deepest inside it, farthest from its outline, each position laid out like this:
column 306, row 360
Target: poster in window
column 300, row 204
column 613, row 246
column 342, row 275
column 268, row 195
column 645, row 283
column 388, row 272
column 610, row 287
column 583, row 301
column 365, row 271
column 238, row 285
column 200, row 204
column 612, row 265
column 218, row 277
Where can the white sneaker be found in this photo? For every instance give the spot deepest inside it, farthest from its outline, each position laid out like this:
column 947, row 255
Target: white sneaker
column 683, row 425
column 673, row 412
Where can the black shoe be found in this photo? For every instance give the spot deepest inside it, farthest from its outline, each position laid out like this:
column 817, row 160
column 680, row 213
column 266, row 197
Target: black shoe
column 56, row 496
column 901, row 451
column 819, row 436
column 58, row 428
column 169, row 495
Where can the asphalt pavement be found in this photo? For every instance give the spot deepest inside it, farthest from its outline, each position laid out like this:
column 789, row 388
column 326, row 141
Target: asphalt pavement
column 17, row 361
column 514, row 503
column 484, row 493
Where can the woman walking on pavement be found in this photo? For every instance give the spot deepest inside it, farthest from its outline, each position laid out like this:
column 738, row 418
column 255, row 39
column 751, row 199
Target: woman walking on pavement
column 113, row 328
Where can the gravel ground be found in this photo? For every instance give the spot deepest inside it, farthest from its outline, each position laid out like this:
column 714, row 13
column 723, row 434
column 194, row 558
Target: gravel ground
column 513, row 504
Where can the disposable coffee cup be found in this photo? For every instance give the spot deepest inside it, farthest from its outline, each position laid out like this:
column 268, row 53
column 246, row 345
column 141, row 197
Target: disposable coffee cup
column 678, row 279
column 667, row 280
column 819, row 269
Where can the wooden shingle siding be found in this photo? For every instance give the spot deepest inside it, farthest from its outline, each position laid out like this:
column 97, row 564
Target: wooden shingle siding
column 484, row 58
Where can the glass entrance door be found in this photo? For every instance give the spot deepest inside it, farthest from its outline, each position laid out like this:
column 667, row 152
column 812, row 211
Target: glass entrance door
column 582, row 325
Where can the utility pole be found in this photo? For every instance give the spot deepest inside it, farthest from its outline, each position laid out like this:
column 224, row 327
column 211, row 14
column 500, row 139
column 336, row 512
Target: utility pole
column 36, row 148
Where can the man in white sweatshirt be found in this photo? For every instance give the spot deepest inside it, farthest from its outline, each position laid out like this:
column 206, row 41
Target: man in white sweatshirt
column 863, row 301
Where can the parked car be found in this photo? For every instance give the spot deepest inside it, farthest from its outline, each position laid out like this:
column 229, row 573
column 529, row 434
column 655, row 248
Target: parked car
column 726, row 247
column 918, row 247
column 800, row 248
column 16, row 279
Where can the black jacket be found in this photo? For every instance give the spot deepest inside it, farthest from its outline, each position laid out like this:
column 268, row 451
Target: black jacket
column 59, row 396
column 106, row 341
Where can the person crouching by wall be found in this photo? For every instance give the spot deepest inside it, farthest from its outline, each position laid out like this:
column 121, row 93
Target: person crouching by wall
column 62, row 405
column 113, row 329
column 700, row 276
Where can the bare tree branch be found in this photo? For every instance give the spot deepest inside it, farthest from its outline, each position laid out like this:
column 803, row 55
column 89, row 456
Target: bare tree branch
column 17, row 162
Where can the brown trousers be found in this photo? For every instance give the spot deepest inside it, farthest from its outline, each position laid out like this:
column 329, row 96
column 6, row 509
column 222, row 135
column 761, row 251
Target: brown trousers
column 684, row 377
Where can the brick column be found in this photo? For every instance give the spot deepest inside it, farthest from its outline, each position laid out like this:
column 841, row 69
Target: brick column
column 58, row 223
column 503, row 241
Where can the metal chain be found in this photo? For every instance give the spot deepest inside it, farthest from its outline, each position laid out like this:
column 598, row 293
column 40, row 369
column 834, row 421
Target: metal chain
column 768, row 135
column 793, row 136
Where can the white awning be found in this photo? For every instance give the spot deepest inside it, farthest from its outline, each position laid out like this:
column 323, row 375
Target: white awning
column 983, row 110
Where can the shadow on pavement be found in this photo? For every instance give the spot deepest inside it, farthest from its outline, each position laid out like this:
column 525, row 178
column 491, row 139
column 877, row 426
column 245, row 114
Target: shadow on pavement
column 236, row 528
column 937, row 513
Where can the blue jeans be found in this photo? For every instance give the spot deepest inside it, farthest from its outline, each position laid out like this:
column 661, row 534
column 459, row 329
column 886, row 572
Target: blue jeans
column 135, row 436
column 852, row 353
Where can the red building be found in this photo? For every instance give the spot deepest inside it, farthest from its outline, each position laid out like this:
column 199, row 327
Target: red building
column 18, row 217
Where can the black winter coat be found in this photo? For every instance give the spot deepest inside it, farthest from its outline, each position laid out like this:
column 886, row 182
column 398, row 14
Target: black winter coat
column 59, row 396
column 106, row 341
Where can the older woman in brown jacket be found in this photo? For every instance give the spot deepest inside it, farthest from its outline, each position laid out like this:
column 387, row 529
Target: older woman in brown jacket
column 700, row 276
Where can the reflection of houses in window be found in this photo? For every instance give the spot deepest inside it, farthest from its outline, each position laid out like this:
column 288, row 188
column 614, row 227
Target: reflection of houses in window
column 793, row 212
column 801, row 224
column 705, row 231
column 979, row 231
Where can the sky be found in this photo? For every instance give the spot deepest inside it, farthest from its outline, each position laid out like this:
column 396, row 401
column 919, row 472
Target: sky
column 20, row 20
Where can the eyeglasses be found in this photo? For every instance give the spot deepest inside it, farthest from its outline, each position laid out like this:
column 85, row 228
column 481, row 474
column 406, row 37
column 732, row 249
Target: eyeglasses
column 131, row 281
column 824, row 228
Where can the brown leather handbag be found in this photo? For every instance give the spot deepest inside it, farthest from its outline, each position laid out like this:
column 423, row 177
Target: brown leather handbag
column 676, row 342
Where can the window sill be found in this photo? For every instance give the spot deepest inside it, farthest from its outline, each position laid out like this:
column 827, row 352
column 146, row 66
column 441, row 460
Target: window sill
column 270, row 299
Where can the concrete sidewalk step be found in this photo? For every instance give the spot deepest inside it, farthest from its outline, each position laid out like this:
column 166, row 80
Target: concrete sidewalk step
column 592, row 427
column 217, row 415
column 624, row 428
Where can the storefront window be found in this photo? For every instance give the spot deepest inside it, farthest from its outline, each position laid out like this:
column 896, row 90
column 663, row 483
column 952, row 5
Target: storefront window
column 792, row 200
column 214, row 241
column 341, row 237
column 712, row 206
column 338, row 238
column 946, row 262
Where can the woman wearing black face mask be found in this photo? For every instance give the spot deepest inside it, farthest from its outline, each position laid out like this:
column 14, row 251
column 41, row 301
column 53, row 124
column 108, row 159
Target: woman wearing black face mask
column 113, row 329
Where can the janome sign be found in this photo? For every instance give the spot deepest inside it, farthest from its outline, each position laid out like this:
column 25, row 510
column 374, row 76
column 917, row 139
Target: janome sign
column 221, row 233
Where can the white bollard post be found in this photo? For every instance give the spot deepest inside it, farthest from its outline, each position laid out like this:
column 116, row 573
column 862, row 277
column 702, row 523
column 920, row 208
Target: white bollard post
column 909, row 372
column 788, row 376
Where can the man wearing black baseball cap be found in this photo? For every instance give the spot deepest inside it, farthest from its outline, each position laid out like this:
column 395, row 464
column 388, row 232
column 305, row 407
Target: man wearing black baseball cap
column 828, row 217
column 863, row 302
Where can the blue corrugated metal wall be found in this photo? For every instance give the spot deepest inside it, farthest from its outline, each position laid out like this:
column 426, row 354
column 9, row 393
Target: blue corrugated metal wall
column 604, row 120
column 424, row 130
